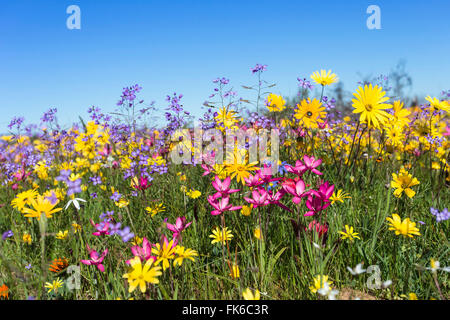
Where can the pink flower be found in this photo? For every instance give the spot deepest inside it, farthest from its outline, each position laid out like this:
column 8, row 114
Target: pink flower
column 315, row 204
column 295, row 188
column 221, row 205
column 106, row 151
column 96, row 260
column 22, row 174
column 223, row 188
column 259, row 198
column 179, row 226
column 325, row 191
column 274, row 198
column 254, row 181
column 323, row 125
column 102, row 228
column 266, row 174
column 321, row 229
column 145, row 253
column 165, row 242
column 447, row 131
column 311, row 164
column 299, row 168
column 142, row 184
column 207, row 169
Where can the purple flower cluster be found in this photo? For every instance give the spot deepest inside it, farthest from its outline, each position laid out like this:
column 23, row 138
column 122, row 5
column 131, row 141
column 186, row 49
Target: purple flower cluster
column 16, row 122
column 329, row 104
column 305, row 84
column 256, row 119
column 125, row 233
column 259, row 68
column 208, row 121
column 440, row 216
column 98, row 117
column 129, row 95
column 175, row 115
column 49, row 116
column 446, row 94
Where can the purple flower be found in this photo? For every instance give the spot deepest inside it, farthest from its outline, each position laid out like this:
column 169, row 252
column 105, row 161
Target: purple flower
column 116, row 196
column 73, row 186
column 259, row 68
column 107, row 216
column 305, row 84
column 7, row 234
column 53, row 199
column 63, row 175
column 440, row 216
column 115, row 228
column 96, row 180
column 126, row 234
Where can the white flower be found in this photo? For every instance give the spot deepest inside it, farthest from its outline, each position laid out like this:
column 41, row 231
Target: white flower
column 316, row 246
column 387, row 283
column 435, row 266
column 326, row 290
column 358, row 269
column 75, row 203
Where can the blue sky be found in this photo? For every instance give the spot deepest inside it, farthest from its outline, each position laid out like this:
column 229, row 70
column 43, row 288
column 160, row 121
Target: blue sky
column 169, row 46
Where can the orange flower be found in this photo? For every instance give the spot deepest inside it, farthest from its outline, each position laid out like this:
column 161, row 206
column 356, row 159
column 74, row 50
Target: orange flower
column 4, row 291
column 58, row 265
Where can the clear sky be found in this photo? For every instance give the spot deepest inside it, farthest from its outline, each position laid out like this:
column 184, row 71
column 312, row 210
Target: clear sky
column 167, row 46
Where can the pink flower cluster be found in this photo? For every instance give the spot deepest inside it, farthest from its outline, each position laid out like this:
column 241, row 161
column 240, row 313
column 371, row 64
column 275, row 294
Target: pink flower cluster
column 221, row 199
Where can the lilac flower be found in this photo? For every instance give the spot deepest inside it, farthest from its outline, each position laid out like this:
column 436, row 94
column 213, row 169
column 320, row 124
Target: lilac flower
column 305, row 84
column 259, row 68
column 16, row 122
column 440, row 216
column 49, row 116
column 107, row 216
column 96, row 180
column 115, row 228
column 116, row 196
column 73, row 187
column 94, row 195
column 53, row 199
column 7, row 234
column 126, row 234
column 63, row 175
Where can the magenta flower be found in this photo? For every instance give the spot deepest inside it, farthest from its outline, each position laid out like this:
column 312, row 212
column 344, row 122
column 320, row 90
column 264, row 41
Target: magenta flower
column 223, row 188
column 325, row 191
column 142, row 184
column 102, row 228
column 254, row 181
column 315, row 204
column 221, row 205
column 295, row 188
column 274, row 198
column 311, row 164
column 207, row 169
column 299, row 168
column 179, row 226
column 321, row 229
column 266, row 174
column 144, row 252
column 259, row 198
column 96, row 260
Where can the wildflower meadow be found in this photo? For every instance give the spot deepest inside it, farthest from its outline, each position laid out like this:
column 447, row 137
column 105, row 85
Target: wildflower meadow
column 263, row 197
